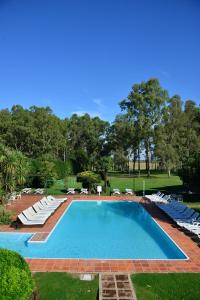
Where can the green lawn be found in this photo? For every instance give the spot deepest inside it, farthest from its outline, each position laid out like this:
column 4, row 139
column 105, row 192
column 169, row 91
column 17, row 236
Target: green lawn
column 167, row 286
column 62, row 286
column 156, row 182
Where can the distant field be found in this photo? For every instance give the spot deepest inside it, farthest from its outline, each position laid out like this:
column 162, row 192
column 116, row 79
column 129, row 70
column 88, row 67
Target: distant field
column 155, row 182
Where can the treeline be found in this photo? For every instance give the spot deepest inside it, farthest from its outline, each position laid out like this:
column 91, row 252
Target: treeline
column 151, row 124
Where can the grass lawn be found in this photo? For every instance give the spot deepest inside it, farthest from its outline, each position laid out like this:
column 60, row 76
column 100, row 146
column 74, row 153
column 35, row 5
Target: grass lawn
column 62, row 286
column 167, row 286
column 156, row 182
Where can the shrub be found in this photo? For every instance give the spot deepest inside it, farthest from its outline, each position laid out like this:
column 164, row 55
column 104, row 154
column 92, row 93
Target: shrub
column 5, row 216
column 43, row 173
column 89, row 179
column 15, row 277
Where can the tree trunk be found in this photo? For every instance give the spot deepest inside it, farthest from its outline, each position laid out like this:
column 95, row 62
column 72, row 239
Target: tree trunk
column 169, row 172
column 147, row 158
column 139, row 161
column 105, row 182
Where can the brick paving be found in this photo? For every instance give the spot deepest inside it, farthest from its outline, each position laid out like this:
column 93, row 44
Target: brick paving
column 116, row 287
column 100, row 266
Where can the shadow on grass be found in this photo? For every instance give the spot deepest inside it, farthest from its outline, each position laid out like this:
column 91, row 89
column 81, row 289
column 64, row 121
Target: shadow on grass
column 174, row 189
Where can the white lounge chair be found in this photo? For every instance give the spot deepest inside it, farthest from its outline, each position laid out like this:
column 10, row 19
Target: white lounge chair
column 116, row 192
column 45, row 203
column 39, row 191
column 39, row 206
column 71, row 191
column 129, row 191
column 27, row 190
column 25, row 221
column 84, row 191
column 38, row 213
column 29, row 217
column 56, row 200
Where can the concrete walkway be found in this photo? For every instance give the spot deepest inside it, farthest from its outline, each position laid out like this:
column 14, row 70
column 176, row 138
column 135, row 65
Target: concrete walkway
column 116, row 287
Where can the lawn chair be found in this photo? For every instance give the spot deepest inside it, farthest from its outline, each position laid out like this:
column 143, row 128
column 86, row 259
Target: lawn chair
column 27, row 190
column 39, row 191
column 129, row 191
column 71, row 191
column 116, row 192
column 84, row 191
column 25, row 221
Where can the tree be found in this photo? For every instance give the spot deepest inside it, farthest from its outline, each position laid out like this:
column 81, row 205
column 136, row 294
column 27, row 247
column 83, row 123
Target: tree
column 13, row 168
column 144, row 106
column 103, row 166
column 168, row 135
column 86, row 137
column 89, row 180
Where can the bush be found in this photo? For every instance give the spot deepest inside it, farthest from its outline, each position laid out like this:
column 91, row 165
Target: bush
column 89, row 180
column 15, row 277
column 63, row 168
column 5, row 216
column 43, row 173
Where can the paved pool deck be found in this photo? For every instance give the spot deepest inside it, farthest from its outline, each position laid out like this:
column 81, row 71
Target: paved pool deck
column 191, row 248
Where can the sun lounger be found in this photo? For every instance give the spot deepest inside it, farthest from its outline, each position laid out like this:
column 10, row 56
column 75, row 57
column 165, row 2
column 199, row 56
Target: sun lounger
column 56, row 200
column 71, row 191
column 29, row 217
column 39, row 191
column 25, row 221
column 38, row 205
column 116, row 192
column 38, row 213
column 39, row 210
column 129, row 191
column 84, row 191
column 45, row 203
column 26, row 190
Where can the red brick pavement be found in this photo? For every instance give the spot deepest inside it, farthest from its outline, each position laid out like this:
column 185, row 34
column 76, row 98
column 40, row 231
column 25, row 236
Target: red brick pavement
column 81, row 265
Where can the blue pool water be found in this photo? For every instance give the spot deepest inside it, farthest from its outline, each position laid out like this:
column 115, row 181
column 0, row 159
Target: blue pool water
column 99, row 230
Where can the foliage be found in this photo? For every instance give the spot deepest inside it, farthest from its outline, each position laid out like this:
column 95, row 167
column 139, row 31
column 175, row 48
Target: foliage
column 13, row 168
column 103, row 166
column 190, row 172
column 5, row 216
column 165, row 130
column 143, row 107
column 89, row 179
column 63, row 168
column 16, row 280
column 53, row 286
column 43, row 172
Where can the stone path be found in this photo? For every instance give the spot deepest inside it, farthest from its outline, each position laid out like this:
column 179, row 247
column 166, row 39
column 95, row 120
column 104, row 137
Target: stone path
column 116, row 287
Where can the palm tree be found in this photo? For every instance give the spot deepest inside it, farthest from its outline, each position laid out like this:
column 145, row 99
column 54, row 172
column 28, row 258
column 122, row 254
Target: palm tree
column 13, row 169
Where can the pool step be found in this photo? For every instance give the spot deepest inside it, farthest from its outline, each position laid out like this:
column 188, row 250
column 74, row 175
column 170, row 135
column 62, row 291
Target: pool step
column 116, row 287
column 39, row 237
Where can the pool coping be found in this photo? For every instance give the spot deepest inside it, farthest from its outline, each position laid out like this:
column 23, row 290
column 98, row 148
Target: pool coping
column 130, row 266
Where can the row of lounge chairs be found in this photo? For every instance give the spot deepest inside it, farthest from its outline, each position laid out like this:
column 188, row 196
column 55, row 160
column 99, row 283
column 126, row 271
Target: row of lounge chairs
column 118, row 192
column 30, row 190
column 72, row 191
column 40, row 211
column 162, row 198
column 114, row 192
column 183, row 215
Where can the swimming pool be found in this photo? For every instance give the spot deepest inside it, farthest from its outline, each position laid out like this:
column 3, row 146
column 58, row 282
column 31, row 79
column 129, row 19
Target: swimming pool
column 99, row 230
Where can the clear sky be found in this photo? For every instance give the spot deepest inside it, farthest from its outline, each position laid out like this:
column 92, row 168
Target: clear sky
column 84, row 55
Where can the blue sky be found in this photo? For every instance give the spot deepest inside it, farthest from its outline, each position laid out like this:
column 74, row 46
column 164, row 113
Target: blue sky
column 84, row 55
